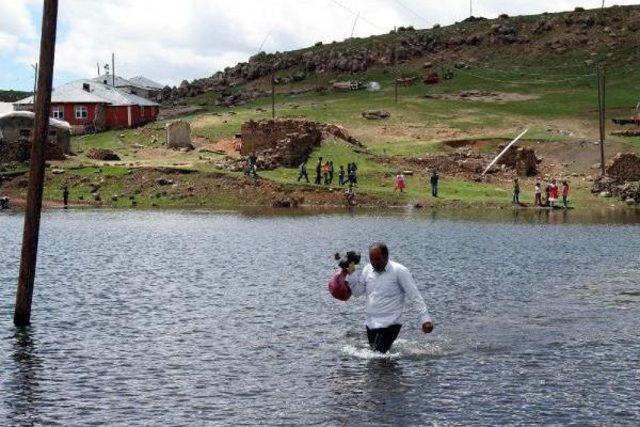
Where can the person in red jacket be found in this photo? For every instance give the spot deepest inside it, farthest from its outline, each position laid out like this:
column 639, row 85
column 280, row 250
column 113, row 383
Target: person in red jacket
column 553, row 193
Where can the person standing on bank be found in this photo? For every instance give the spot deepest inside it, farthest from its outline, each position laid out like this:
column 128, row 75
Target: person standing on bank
column 388, row 287
column 434, row 183
column 65, row 196
column 516, row 191
column 303, row 171
column 319, row 172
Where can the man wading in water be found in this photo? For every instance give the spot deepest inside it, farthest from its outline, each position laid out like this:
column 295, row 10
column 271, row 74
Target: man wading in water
column 388, row 287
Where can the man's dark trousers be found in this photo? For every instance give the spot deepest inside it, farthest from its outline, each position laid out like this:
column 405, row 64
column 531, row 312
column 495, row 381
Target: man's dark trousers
column 381, row 339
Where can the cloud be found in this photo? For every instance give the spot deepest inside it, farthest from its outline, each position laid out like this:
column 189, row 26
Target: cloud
column 170, row 41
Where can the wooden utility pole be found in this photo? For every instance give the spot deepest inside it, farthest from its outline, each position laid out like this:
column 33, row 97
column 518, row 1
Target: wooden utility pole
column 113, row 69
column 601, row 111
column 273, row 96
column 396, row 90
column 22, row 314
column 35, row 81
column 397, row 73
column 355, row 21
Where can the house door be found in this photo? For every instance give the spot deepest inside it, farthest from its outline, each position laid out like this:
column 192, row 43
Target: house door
column 129, row 115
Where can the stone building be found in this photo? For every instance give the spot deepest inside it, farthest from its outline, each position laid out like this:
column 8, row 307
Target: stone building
column 15, row 137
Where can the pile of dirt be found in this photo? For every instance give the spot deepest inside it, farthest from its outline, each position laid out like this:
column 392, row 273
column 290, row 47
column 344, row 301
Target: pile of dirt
column 523, row 160
column 339, row 132
column 624, row 167
column 102, row 154
column 482, row 95
column 466, row 162
column 20, row 151
column 451, row 164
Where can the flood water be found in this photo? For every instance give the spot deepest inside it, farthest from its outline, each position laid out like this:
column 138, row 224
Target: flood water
column 171, row 318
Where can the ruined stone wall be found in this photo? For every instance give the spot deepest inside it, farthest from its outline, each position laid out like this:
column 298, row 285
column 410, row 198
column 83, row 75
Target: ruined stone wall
column 284, row 141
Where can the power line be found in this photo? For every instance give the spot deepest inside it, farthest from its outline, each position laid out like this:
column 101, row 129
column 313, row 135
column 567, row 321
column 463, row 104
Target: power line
column 413, row 12
column 533, row 82
column 362, row 18
column 516, row 70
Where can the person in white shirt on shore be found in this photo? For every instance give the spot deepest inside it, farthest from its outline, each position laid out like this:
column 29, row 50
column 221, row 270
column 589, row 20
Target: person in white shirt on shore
column 388, row 286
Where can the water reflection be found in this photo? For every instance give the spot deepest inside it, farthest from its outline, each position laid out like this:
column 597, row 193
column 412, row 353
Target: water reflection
column 22, row 390
column 494, row 215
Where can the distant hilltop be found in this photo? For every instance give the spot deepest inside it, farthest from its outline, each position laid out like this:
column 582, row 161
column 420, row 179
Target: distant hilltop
column 588, row 36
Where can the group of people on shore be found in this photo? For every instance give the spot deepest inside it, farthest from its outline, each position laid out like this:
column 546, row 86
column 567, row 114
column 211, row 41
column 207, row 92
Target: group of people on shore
column 551, row 193
column 401, row 182
column 325, row 173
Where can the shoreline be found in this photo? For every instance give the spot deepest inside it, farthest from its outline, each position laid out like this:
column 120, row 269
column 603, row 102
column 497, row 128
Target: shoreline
column 614, row 215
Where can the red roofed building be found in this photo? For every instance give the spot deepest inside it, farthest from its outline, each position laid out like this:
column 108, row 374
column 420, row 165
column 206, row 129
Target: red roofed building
column 88, row 105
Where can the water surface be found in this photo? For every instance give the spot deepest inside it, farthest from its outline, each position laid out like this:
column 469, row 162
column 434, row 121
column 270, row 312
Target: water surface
column 152, row 318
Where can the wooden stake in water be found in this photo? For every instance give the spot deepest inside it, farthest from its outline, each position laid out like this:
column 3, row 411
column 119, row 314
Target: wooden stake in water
column 504, row 151
column 22, row 314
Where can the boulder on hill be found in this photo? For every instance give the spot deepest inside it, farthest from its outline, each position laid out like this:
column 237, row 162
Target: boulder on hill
column 376, row 114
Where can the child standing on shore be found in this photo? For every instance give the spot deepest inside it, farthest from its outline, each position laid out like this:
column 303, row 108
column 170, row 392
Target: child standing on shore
column 516, row 191
column 565, row 193
column 538, row 192
column 400, row 182
column 553, row 193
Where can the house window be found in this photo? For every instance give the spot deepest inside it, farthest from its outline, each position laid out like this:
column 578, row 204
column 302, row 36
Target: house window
column 25, row 133
column 81, row 112
column 57, row 113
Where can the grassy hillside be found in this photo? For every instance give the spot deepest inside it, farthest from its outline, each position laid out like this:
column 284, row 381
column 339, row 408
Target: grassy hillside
column 12, row 95
column 553, row 93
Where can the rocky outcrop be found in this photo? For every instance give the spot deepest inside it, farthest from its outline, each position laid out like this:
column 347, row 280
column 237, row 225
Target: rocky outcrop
column 607, row 186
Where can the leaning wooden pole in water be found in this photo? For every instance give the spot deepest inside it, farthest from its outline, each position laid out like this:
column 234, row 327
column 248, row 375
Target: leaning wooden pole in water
column 42, row 103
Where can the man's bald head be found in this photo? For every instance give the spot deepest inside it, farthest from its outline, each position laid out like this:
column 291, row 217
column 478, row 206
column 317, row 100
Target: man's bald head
column 378, row 256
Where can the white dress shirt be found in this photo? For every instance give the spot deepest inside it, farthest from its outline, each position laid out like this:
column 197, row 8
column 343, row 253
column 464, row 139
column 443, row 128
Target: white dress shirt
column 386, row 294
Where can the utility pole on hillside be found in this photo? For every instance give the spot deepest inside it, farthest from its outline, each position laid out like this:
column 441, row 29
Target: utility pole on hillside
column 113, row 69
column 35, row 81
column 33, row 211
column 273, row 96
column 397, row 73
column 355, row 21
column 601, row 110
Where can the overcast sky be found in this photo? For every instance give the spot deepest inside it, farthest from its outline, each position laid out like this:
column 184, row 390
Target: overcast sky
column 169, row 41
